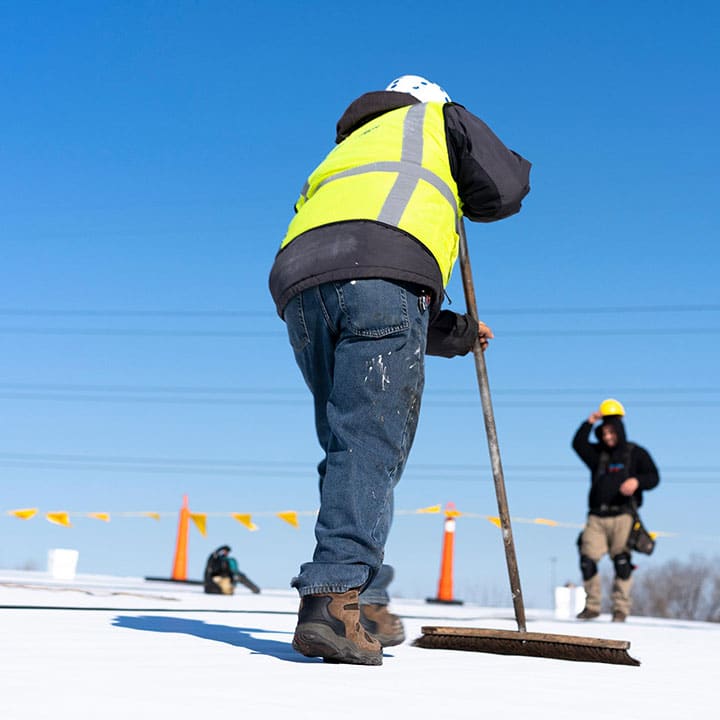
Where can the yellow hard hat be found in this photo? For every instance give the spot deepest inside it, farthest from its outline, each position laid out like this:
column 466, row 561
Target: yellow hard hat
column 611, row 407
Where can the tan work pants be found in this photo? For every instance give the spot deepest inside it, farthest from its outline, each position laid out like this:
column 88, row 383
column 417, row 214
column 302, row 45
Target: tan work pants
column 601, row 536
column 225, row 584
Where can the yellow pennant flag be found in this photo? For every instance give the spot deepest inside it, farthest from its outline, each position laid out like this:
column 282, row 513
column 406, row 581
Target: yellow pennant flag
column 290, row 517
column 153, row 515
column 24, row 514
column 431, row 509
column 59, row 518
column 200, row 520
column 545, row 521
column 105, row 517
column 246, row 520
column 495, row 521
column 452, row 513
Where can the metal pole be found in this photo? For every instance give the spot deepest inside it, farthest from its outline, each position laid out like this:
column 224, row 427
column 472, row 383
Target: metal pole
column 492, row 440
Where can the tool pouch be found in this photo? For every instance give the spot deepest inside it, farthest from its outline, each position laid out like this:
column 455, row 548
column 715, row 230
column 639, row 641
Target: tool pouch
column 640, row 539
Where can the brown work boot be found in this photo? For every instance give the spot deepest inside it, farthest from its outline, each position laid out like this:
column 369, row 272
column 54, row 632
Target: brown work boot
column 587, row 614
column 619, row 616
column 329, row 627
column 385, row 627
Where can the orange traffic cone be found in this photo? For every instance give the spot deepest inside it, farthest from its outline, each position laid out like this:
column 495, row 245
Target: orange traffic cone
column 179, row 571
column 445, row 585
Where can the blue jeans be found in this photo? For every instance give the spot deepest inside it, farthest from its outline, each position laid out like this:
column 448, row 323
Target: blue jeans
column 360, row 345
column 376, row 593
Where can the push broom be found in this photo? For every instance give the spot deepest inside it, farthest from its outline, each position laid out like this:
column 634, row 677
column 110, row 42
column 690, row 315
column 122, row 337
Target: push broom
column 511, row 642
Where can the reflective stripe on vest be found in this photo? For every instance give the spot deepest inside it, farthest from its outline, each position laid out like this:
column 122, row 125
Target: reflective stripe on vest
column 435, row 226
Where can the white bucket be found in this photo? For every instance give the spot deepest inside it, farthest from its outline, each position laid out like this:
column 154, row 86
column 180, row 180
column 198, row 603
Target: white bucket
column 62, row 563
column 569, row 601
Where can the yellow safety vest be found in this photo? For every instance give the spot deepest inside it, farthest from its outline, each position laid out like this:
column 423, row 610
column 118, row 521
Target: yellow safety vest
column 393, row 170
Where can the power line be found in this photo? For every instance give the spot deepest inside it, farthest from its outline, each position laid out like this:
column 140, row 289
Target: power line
column 225, row 313
column 48, row 312
column 550, row 333
column 238, row 396
column 254, row 334
column 265, row 473
column 283, row 391
column 620, row 310
column 272, row 398
column 141, row 332
column 294, row 468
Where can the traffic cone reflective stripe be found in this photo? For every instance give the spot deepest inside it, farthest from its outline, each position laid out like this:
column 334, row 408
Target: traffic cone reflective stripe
column 445, row 584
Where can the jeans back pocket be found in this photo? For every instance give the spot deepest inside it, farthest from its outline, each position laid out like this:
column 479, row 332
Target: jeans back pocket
column 374, row 307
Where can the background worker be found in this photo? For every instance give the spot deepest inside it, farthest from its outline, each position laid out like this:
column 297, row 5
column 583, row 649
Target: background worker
column 222, row 573
column 219, row 576
column 620, row 471
column 359, row 281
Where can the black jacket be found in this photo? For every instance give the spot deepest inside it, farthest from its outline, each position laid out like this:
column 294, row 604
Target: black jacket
column 610, row 467
column 491, row 180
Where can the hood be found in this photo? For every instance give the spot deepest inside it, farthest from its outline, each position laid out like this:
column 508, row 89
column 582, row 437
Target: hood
column 616, row 422
column 369, row 106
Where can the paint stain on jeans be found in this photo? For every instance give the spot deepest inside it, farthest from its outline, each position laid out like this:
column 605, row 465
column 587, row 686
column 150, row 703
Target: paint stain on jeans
column 378, row 367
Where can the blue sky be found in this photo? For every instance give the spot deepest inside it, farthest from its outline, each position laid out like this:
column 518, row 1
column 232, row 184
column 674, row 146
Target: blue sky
column 151, row 156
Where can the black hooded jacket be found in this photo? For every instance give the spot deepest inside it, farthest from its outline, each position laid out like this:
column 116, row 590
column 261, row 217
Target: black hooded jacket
column 610, row 467
column 491, row 180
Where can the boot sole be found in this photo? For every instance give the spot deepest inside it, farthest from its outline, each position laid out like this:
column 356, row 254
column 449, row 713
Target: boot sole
column 318, row 640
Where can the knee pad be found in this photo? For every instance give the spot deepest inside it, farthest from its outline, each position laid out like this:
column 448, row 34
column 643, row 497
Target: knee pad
column 623, row 566
column 588, row 567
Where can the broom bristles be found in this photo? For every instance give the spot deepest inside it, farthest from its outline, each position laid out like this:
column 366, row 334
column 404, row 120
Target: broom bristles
column 502, row 642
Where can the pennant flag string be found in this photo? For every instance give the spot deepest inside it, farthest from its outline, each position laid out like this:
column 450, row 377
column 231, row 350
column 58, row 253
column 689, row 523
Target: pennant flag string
column 291, row 517
column 59, row 518
column 432, row 509
column 246, row 520
column 23, row 514
column 105, row 517
column 200, row 520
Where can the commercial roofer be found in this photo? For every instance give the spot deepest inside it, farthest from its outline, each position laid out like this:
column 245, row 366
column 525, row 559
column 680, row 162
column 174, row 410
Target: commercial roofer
column 620, row 471
column 359, row 280
column 222, row 573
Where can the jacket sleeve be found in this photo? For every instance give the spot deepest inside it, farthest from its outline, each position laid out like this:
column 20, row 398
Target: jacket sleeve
column 492, row 180
column 645, row 469
column 587, row 451
column 450, row 334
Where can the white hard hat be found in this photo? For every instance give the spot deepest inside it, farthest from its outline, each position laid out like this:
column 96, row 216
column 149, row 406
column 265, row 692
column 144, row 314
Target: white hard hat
column 419, row 87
